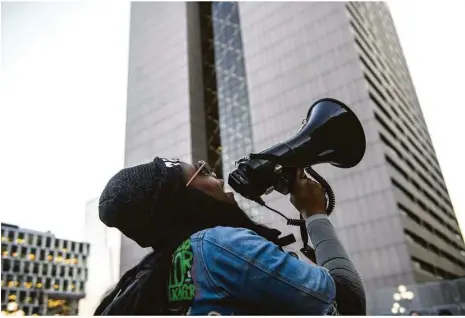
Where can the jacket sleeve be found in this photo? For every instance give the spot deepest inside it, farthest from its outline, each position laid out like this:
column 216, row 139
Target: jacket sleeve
column 350, row 293
column 247, row 267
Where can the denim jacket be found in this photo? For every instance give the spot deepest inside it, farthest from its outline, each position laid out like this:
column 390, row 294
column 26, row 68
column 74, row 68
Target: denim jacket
column 234, row 271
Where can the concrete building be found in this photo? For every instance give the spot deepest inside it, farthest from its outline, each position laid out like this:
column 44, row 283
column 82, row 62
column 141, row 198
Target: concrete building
column 427, row 298
column 216, row 81
column 103, row 261
column 42, row 274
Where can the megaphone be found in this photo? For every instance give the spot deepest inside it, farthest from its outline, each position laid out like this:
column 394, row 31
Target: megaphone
column 331, row 133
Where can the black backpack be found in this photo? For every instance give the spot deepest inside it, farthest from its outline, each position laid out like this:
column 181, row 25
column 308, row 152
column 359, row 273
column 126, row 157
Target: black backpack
column 141, row 290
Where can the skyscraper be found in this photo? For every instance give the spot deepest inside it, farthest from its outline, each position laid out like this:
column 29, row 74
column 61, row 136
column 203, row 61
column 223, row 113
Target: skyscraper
column 220, row 80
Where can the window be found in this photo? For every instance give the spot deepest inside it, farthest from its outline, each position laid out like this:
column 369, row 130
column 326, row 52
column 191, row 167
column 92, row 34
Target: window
column 26, row 268
column 4, row 249
column 416, row 239
column 385, row 126
column 16, row 266
column 30, row 239
column 375, row 88
column 368, row 56
column 409, row 213
column 54, row 271
column 397, row 168
column 48, row 283
column 402, row 189
column 39, row 283
column 6, row 265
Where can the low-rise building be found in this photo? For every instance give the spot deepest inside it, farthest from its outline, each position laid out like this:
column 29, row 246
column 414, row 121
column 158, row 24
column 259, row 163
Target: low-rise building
column 41, row 274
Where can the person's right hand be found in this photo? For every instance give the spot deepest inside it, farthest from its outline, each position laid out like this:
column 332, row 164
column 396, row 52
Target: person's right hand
column 308, row 196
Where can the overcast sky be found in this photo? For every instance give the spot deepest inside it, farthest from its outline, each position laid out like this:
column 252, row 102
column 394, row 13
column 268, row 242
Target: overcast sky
column 63, row 99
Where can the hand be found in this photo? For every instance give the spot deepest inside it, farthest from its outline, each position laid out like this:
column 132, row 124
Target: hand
column 308, row 196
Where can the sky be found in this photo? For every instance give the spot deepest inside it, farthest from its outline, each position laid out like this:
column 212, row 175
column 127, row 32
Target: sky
column 63, row 102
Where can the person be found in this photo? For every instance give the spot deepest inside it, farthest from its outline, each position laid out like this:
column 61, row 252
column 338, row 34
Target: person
column 415, row 313
column 223, row 262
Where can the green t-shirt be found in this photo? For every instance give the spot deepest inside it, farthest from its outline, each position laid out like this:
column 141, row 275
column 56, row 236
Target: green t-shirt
column 181, row 289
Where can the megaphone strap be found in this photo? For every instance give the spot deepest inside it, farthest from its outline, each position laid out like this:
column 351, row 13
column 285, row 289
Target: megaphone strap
column 286, row 240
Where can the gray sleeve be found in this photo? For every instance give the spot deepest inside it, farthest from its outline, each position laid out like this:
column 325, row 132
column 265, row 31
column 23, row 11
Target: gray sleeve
column 330, row 254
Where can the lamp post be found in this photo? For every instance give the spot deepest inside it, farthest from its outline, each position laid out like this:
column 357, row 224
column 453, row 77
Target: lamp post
column 402, row 299
column 12, row 309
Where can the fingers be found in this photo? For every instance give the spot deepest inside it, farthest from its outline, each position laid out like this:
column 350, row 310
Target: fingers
column 303, row 182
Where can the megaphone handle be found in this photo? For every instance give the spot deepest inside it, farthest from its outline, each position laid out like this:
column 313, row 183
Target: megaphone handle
column 329, row 191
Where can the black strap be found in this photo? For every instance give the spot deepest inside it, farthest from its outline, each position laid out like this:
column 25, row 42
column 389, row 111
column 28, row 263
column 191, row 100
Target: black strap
column 286, row 240
column 307, row 250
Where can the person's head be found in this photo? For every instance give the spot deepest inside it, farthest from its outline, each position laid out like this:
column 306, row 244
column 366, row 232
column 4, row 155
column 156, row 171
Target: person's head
column 415, row 313
column 202, row 177
column 166, row 200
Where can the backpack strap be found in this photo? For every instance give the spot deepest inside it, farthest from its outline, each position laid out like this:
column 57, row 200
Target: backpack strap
column 122, row 284
column 286, row 240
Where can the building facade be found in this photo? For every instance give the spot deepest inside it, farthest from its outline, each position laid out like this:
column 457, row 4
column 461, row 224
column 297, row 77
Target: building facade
column 220, row 80
column 103, row 262
column 41, row 274
column 427, row 298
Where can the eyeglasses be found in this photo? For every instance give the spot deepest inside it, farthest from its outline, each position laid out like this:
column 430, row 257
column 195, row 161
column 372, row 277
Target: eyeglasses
column 204, row 169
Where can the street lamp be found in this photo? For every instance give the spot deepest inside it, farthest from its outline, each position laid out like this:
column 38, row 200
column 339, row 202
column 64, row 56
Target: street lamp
column 12, row 306
column 12, row 310
column 402, row 297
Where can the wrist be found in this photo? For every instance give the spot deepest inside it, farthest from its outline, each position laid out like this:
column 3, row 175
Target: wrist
column 316, row 217
column 308, row 214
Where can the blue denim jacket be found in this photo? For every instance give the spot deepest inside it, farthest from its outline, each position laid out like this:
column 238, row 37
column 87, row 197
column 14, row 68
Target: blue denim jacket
column 234, row 270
